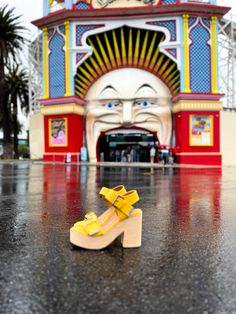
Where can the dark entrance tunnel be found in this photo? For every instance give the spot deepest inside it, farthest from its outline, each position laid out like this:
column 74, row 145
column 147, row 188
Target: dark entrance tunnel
column 129, row 145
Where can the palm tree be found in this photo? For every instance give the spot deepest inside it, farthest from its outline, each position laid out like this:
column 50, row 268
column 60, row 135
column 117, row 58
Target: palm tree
column 11, row 41
column 17, row 83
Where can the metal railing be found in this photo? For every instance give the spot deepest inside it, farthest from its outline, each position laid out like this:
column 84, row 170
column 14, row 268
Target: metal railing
column 227, row 59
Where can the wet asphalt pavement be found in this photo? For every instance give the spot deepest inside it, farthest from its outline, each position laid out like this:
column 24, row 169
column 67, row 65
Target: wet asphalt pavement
column 187, row 262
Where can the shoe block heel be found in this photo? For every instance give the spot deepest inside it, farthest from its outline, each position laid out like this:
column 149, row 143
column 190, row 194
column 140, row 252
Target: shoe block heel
column 132, row 236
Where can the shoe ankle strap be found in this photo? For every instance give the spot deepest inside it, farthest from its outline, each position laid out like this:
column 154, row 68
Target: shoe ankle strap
column 109, row 195
column 123, row 203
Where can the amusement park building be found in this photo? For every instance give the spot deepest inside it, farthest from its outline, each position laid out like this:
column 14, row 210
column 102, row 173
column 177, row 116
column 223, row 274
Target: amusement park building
column 129, row 73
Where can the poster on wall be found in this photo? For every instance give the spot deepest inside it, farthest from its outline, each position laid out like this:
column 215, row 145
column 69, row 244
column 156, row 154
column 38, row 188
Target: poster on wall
column 201, row 130
column 58, row 132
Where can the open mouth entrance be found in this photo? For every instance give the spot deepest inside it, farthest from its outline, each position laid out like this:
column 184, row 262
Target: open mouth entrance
column 126, row 145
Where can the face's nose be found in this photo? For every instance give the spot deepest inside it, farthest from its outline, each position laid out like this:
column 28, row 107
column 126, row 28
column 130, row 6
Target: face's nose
column 127, row 113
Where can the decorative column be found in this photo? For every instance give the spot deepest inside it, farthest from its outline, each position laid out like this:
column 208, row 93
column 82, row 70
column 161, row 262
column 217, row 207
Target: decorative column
column 186, row 55
column 67, row 52
column 214, row 72
column 45, row 63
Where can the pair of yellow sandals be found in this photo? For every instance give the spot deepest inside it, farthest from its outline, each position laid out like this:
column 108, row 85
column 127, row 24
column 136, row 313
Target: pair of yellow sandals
column 120, row 219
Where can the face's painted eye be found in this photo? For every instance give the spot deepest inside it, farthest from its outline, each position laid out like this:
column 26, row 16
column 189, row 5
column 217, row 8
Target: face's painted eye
column 109, row 105
column 112, row 105
column 143, row 103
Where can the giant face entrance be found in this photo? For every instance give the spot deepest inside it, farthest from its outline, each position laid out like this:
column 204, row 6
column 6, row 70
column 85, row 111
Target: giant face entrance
column 129, row 145
column 128, row 99
column 127, row 84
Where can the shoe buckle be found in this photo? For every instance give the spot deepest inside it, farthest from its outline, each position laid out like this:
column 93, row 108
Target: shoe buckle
column 116, row 199
column 89, row 216
column 121, row 205
column 93, row 232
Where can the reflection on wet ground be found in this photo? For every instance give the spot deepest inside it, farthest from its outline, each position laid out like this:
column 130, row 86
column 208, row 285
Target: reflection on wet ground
column 186, row 263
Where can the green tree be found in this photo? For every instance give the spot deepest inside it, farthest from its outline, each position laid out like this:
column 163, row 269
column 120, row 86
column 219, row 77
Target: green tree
column 11, row 42
column 17, row 86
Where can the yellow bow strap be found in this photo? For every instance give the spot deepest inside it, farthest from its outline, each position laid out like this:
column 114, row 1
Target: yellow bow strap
column 91, row 224
column 123, row 203
column 110, row 195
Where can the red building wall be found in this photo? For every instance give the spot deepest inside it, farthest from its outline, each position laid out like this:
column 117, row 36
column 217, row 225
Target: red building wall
column 188, row 154
column 75, row 138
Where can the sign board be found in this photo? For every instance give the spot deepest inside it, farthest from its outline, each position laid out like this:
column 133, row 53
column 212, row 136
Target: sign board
column 201, row 130
column 57, row 130
column 123, row 3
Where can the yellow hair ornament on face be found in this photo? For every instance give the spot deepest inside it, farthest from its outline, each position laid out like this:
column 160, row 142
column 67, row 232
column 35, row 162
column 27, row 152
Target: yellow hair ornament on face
column 126, row 47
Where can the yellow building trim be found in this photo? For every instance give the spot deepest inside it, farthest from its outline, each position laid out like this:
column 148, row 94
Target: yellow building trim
column 164, row 66
column 45, row 63
column 123, row 49
column 171, row 77
column 83, row 79
column 214, row 73
column 110, row 52
column 159, row 62
column 116, row 47
column 83, row 85
column 67, row 58
column 130, row 49
column 62, row 109
column 104, row 55
column 90, row 69
column 174, row 85
column 150, row 50
column 143, row 51
column 81, row 90
column 87, row 74
column 167, row 72
column 154, row 59
column 197, row 106
column 136, row 50
column 186, row 55
column 96, row 66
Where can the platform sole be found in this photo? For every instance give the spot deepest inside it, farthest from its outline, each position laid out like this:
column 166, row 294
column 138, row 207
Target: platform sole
column 129, row 229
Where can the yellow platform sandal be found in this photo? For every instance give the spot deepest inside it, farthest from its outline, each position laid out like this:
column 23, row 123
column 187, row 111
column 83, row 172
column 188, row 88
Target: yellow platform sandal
column 124, row 221
column 108, row 195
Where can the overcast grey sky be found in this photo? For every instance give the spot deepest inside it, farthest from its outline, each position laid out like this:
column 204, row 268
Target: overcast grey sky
column 33, row 9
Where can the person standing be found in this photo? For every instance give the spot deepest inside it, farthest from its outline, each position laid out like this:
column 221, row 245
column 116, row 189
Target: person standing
column 152, row 154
